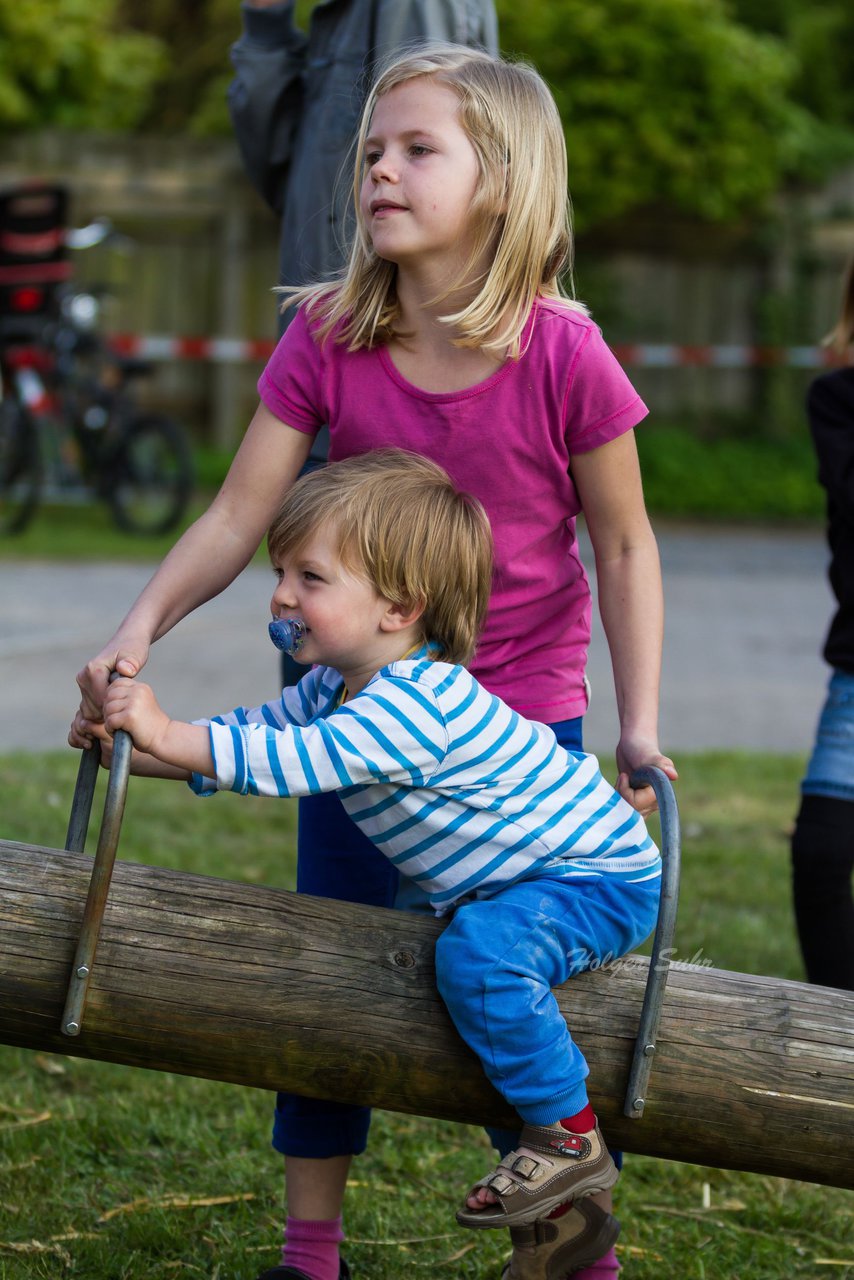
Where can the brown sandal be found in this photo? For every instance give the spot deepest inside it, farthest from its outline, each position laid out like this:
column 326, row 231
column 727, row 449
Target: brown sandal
column 527, row 1188
column 555, row 1248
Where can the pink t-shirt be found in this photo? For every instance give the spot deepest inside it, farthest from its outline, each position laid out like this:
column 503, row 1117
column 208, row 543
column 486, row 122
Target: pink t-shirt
column 508, row 440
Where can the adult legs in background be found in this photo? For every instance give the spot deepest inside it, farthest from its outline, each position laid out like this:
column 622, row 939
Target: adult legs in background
column 823, row 844
column 822, row 864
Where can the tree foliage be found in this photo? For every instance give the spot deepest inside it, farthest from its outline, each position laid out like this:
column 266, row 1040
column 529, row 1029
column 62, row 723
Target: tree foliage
column 65, row 63
column 820, row 37
column 701, row 106
column 190, row 90
column 665, row 103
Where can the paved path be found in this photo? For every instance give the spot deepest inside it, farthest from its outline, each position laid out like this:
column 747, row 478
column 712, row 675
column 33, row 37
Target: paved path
column 746, row 613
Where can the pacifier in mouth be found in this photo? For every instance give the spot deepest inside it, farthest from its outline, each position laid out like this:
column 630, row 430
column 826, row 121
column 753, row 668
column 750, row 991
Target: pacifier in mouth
column 287, row 634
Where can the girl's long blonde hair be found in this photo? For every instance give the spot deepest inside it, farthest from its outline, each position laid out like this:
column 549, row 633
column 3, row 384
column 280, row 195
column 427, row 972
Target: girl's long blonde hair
column 520, row 212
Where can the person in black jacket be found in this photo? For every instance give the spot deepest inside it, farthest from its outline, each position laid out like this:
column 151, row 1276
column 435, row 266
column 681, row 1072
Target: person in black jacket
column 297, row 97
column 823, row 840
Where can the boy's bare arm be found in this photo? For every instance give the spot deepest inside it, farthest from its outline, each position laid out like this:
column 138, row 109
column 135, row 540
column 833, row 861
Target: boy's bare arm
column 142, row 765
column 164, row 748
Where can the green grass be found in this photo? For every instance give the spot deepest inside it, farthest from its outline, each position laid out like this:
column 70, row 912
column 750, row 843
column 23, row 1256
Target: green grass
column 85, row 530
column 728, row 478
column 109, row 1173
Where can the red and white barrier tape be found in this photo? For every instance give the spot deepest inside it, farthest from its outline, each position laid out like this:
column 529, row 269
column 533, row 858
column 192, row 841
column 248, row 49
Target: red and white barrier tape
column 643, row 355
column 219, row 350
column 731, row 356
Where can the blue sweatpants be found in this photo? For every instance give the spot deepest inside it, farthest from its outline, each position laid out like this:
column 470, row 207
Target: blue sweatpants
column 499, row 958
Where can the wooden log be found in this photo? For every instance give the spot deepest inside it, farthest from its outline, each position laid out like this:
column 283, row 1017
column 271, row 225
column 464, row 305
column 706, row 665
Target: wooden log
column 265, row 988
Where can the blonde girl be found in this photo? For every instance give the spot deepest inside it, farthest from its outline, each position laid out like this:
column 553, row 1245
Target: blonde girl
column 448, row 334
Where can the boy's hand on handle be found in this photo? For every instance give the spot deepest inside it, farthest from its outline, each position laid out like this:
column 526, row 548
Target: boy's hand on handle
column 97, row 733
column 631, row 755
column 133, row 707
column 142, row 764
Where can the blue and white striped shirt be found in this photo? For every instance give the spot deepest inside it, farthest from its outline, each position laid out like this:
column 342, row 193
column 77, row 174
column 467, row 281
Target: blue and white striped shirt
column 461, row 793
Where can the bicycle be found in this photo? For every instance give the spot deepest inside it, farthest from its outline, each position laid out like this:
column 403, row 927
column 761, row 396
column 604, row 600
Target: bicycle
column 70, row 428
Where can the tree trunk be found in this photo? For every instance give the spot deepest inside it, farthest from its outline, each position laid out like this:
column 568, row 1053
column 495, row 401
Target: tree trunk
column 265, row 988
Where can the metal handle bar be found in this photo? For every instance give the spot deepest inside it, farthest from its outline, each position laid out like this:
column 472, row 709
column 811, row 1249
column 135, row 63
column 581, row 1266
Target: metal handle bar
column 81, row 803
column 662, row 945
column 102, row 870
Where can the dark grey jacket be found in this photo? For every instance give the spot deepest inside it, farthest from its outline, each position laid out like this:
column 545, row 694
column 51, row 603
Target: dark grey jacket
column 295, row 103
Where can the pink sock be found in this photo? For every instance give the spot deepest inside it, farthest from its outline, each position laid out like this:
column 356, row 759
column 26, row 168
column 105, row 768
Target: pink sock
column 312, row 1247
column 605, row 1269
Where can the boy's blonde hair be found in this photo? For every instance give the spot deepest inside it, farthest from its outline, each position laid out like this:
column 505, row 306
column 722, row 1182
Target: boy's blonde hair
column 841, row 336
column 520, row 211
column 400, row 522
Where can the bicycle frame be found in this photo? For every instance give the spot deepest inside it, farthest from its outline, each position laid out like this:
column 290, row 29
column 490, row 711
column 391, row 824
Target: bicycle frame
column 68, row 418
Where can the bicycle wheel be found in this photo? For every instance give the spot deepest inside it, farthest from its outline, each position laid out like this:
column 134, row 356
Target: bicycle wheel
column 151, row 475
column 20, row 468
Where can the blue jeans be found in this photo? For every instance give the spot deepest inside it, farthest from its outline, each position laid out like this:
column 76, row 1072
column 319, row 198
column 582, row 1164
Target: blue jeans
column 336, row 860
column 830, row 771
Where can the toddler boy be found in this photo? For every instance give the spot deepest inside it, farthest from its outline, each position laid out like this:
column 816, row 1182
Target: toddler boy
column 384, row 573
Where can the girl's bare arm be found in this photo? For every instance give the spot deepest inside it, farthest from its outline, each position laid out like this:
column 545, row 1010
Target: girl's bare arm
column 209, row 556
column 630, row 601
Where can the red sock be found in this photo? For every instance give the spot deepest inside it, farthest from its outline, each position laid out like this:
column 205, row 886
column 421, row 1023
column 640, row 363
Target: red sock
column 582, row 1122
column 312, row 1247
